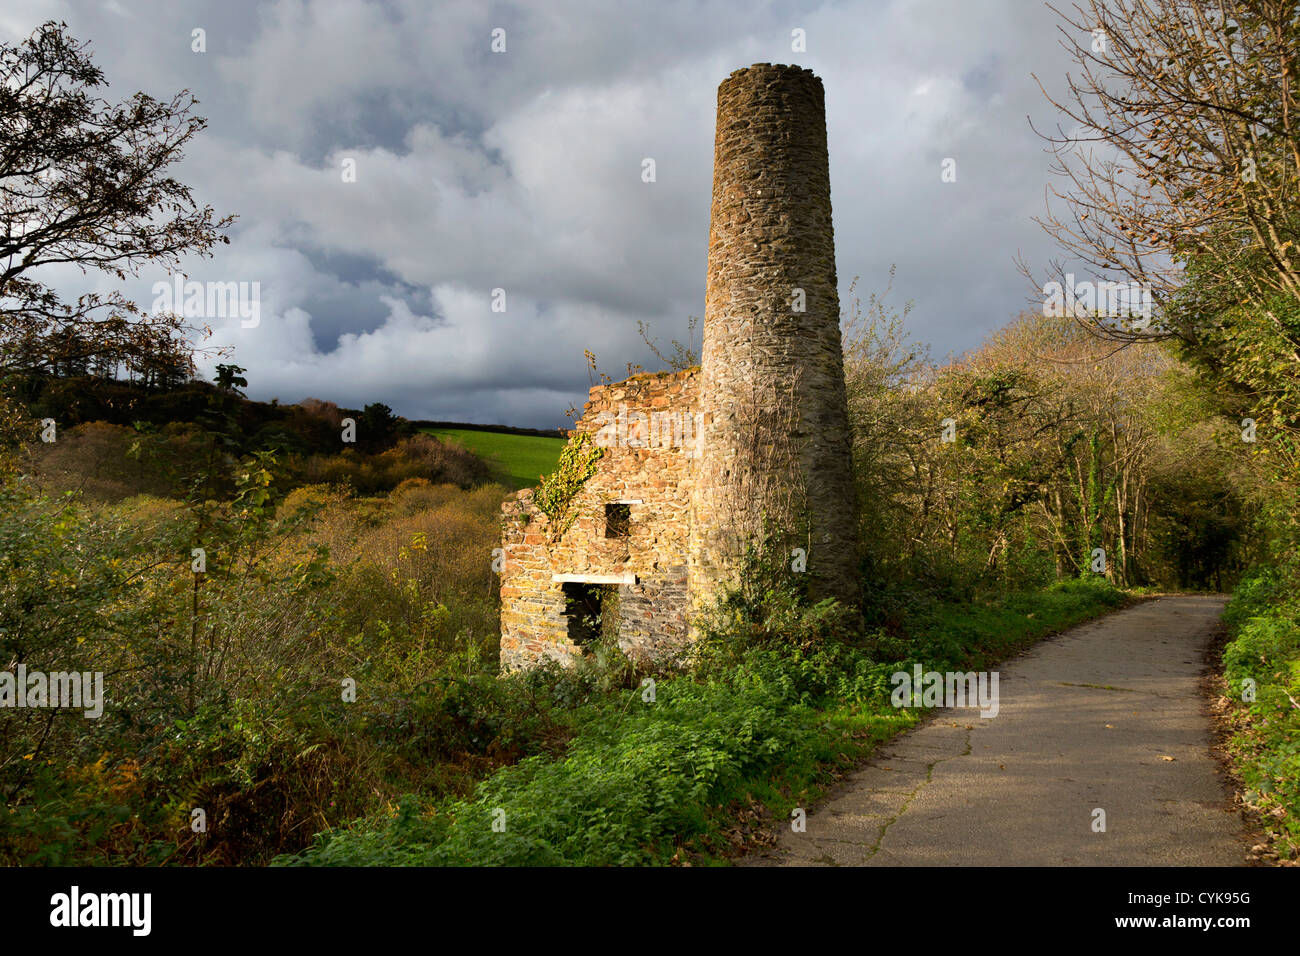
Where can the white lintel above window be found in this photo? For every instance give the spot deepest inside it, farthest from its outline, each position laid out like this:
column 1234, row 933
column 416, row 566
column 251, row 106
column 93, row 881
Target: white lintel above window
column 625, row 578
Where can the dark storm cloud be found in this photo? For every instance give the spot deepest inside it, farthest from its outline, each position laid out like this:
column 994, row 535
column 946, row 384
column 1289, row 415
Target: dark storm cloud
column 522, row 171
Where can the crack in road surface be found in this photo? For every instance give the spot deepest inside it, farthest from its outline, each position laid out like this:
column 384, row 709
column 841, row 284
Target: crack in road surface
column 1021, row 788
column 929, row 775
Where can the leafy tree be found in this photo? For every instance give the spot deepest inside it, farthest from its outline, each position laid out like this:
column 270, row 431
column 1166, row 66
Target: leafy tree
column 86, row 182
column 229, row 378
column 378, row 428
column 1180, row 159
column 1195, row 104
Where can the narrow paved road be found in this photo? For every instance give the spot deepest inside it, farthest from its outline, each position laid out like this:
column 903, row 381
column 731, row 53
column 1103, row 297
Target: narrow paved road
column 1108, row 715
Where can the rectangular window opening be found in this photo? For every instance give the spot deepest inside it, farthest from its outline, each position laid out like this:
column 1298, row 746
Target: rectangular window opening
column 618, row 520
column 592, row 610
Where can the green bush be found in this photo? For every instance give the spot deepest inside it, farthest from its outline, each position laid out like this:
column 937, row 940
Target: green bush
column 638, row 778
column 1263, row 660
column 644, row 778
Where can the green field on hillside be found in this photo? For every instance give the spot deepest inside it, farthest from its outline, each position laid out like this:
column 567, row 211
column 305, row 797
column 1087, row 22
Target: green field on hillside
column 517, row 460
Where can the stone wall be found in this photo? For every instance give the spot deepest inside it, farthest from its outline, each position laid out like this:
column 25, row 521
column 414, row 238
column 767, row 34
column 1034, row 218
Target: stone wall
column 776, row 443
column 755, row 440
column 647, row 429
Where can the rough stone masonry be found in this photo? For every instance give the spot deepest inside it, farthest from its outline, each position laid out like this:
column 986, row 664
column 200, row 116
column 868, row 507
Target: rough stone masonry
column 698, row 465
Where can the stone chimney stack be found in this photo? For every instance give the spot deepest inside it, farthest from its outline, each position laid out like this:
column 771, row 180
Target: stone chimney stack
column 775, row 446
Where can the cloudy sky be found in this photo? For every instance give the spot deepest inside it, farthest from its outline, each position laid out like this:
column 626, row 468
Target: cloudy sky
column 521, row 170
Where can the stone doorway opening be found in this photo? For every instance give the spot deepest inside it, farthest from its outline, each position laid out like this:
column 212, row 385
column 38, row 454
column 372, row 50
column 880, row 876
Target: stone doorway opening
column 592, row 612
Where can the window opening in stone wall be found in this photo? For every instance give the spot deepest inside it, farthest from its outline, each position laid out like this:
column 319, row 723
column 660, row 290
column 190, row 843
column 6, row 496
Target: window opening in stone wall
column 586, row 606
column 618, row 521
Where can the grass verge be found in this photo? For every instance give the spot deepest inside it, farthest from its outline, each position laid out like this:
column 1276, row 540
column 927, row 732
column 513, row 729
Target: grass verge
column 660, row 774
column 1261, row 672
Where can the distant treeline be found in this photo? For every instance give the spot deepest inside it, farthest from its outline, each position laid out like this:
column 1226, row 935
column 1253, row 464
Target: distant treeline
column 309, row 426
column 502, row 429
column 116, row 438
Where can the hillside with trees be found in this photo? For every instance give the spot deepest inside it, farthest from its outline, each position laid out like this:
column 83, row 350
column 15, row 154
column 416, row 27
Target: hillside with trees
column 295, row 606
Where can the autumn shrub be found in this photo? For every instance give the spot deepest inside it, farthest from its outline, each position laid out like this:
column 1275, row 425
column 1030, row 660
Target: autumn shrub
column 443, row 462
column 107, row 462
column 418, row 494
column 229, row 690
column 312, row 499
column 416, row 457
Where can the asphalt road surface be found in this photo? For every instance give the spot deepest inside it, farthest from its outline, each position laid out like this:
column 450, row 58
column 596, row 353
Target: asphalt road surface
column 1106, row 716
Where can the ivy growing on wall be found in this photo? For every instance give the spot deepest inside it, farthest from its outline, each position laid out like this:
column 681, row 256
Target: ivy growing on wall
column 555, row 493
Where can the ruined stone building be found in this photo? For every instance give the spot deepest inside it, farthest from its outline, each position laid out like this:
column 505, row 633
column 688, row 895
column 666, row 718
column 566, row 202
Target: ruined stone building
column 695, row 465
